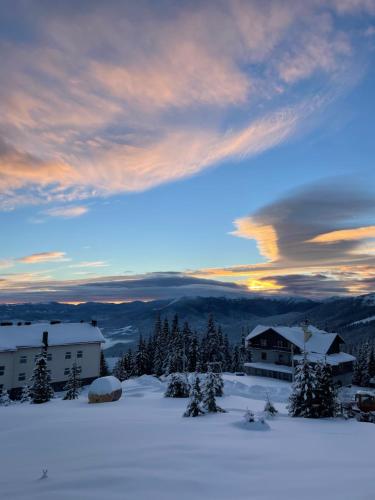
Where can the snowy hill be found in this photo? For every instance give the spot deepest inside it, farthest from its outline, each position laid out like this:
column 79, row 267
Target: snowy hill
column 140, row 448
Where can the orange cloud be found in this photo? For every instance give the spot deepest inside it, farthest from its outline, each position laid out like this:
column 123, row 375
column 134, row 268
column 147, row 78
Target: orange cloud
column 37, row 258
column 265, row 236
column 359, row 233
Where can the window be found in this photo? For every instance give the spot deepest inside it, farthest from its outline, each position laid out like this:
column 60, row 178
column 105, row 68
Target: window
column 23, row 360
column 66, row 371
column 281, row 358
column 2, row 370
column 21, row 377
column 68, row 355
column 79, row 354
column 264, row 356
column 280, row 343
column 263, row 342
column 49, row 356
column 1, row 387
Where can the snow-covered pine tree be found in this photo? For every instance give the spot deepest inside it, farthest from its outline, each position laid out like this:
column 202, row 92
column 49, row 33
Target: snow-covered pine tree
column 219, row 384
column 178, row 386
column 361, row 375
column 227, row 366
column 73, row 385
column 119, row 370
column 326, row 392
column 209, row 394
column 194, row 408
column 25, row 395
column 249, row 416
column 41, row 390
column 236, row 359
column 103, row 366
column 141, row 361
column 4, row 398
column 371, row 362
column 158, row 358
column 269, row 408
column 193, row 354
column 303, row 401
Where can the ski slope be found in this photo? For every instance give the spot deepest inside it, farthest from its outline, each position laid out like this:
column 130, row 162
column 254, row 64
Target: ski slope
column 140, row 448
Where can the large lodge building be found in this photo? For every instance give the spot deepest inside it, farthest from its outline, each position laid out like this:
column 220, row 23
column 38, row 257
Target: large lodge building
column 275, row 350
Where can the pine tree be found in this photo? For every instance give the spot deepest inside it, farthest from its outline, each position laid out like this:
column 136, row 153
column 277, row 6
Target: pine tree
column 25, row 395
column 209, row 394
column 193, row 355
column 361, row 375
column 141, row 361
column 219, row 385
column 269, row 408
column 371, row 363
column 303, row 401
column 74, row 384
column 4, row 398
column 227, row 355
column 249, row 416
column 178, row 386
column 236, row 359
column 41, row 390
column 326, row 393
column 119, row 370
column 158, row 358
column 103, row 366
column 194, row 408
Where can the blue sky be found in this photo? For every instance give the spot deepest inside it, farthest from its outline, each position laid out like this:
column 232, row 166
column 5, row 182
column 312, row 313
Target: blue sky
column 124, row 156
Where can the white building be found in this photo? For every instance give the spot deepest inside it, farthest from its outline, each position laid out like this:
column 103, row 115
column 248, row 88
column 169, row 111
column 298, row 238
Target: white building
column 65, row 343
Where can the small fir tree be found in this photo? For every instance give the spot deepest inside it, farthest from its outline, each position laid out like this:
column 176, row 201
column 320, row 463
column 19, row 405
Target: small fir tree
column 4, row 398
column 269, row 408
column 41, row 390
column 326, row 393
column 209, row 394
column 303, row 401
column 25, row 395
column 104, row 372
column 178, row 386
column 73, row 385
column 194, row 408
column 219, row 385
column 249, row 416
column 120, row 371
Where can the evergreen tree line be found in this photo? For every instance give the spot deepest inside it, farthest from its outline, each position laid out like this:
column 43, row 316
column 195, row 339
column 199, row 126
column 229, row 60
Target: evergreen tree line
column 173, row 348
column 364, row 367
column 314, row 393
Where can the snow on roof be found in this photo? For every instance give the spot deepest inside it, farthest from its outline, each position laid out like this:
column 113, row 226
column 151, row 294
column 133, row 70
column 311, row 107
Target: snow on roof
column 332, row 359
column 319, row 341
column 17, row 336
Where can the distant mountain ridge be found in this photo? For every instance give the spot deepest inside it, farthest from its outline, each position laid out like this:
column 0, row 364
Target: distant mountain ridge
column 123, row 323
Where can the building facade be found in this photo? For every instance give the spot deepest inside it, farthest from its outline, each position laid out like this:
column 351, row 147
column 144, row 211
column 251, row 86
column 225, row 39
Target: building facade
column 275, row 350
column 64, row 344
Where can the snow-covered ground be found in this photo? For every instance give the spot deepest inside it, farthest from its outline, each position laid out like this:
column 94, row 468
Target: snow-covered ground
column 140, row 448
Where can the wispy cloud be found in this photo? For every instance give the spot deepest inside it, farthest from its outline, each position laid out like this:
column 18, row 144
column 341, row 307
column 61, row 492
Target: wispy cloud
column 94, row 263
column 67, row 212
column 38, row 258
column 118, row 98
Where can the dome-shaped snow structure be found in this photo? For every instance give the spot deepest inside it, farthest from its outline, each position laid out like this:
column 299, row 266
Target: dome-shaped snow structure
column 105, row 390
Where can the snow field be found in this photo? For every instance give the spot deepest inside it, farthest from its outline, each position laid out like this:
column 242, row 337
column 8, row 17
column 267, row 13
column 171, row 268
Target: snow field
column 140, row 448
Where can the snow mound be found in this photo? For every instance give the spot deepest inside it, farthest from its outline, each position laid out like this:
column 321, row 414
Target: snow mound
column 145, row 383
column 105, row 385
column 258, row 425
column 277, row 393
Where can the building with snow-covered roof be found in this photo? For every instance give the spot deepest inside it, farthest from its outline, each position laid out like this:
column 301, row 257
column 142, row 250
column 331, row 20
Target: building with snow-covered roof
column 64, row 344
column 275, row 350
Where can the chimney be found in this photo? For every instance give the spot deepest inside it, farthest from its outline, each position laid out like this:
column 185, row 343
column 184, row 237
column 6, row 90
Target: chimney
column 94, row 322
column 306, row 332
column 45, row 339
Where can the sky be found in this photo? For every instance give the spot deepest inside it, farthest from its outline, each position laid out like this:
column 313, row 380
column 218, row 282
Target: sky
column 164, row 149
